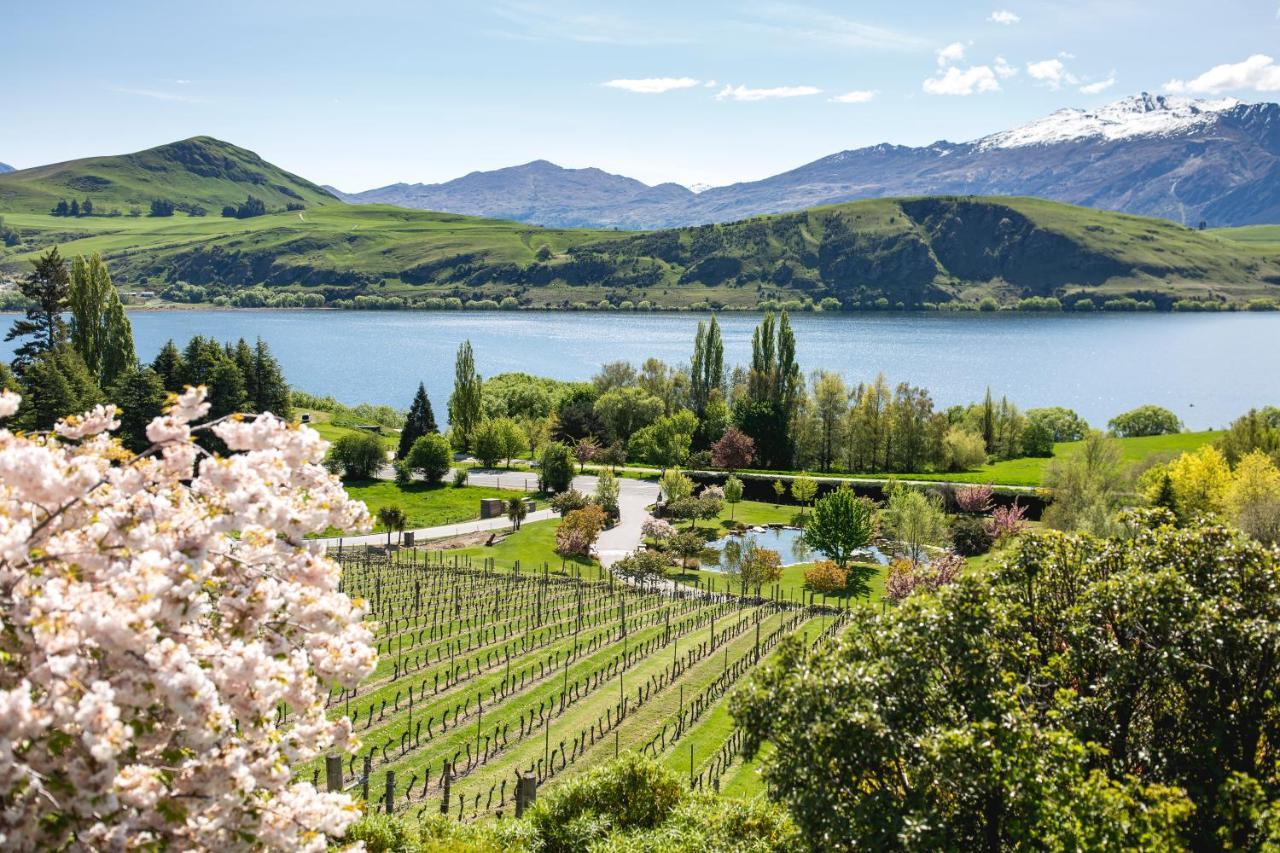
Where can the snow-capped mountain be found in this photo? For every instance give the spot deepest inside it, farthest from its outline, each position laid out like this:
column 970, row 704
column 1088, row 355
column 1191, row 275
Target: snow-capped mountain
column 1140, row 115
column 5, row 167
column 1216, row 161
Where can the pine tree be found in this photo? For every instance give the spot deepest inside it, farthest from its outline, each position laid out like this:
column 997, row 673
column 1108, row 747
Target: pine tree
column 465, row 406
column 169, row 366
column 100, row 328
column 226, row 389
column 140, row 395
column 86, row 209
column 75, row 208
column 271, row 392
column 420, row 421
column 55, row 385
column 47, row 286
column 61, row 208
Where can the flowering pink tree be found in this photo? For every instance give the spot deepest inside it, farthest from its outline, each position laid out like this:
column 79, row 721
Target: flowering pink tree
column 1007, row 521
column 906, row 578
column 158, row 611
column 974, row 499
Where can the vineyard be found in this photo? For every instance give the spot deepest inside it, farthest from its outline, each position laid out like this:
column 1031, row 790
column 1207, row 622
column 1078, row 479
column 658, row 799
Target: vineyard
column 488, row 675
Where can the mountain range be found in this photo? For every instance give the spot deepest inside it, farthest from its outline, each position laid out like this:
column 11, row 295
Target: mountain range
column 5, row 167
column 1192, row 161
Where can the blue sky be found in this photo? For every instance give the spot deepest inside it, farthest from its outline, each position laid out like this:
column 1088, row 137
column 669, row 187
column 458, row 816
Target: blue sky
column 366, row 93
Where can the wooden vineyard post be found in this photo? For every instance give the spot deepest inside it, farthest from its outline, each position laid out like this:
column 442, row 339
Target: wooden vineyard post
column 390, row 794
column 364, row 782
column 446, row 784
column 333, row 772
column 526, row 793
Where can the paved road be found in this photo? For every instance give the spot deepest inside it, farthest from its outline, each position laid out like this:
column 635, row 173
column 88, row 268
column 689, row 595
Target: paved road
column 613, row 544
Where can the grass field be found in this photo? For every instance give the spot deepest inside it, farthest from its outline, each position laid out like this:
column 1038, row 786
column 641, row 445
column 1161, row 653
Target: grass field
column 426, row 505
column 532, row 546
column 489, row 673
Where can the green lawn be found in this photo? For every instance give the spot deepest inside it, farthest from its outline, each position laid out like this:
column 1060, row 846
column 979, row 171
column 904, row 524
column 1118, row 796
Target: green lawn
column 532, row 545
column 753, row 513
column 425, row 505
column 322, row 422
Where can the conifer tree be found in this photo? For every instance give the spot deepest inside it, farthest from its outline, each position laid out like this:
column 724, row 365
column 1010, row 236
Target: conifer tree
column 169, row 366
column 271, row 392
column 47, row 286
column 140, row 396
column 420, row 421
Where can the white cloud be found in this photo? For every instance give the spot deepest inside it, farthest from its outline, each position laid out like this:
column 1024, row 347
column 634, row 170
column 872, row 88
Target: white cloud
column 1003, row 16
column 1259, row 73
column 978, row 79
column 157, row 95
column 710, row 84
column 652, row 85
column 1052, row 73
column 1100, row 86
column 858, row 96
column 1004, row 70
column 951, row 54
column 742, row 93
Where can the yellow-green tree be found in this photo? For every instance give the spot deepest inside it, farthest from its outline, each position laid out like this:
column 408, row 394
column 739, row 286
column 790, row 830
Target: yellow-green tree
column 1253, row 497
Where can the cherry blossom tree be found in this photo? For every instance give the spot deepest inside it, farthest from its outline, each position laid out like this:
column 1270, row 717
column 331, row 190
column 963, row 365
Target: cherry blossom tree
column 160, row 610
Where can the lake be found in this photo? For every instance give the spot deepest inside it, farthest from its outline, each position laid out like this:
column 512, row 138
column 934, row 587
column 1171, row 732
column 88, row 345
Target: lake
column 1208, row 368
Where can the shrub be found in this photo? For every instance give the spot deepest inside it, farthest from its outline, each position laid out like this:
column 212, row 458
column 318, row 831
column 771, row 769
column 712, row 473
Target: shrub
column 630, row 793
column 431, row 456
column 970, row 536
column 556, row 469
column 460, row 477
column 403, row 473
column 356, row 456
column 642, row 564
column 567, row 501
column 825, row 577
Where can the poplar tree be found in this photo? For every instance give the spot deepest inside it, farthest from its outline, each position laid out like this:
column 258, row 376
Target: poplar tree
column 100, row 328
column 465, row 406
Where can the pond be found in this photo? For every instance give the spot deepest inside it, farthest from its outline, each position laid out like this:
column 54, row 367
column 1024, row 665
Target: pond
column 787, row 541
column 1208, row 368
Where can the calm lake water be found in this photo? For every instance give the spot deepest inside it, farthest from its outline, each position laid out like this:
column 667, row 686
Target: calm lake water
column 1208, row 368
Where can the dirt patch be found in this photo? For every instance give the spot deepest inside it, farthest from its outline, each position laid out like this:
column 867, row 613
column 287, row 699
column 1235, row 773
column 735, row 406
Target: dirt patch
column 465, row 540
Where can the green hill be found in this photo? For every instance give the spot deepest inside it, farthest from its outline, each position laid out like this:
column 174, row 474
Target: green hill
column 908, row 252
column 200, row 171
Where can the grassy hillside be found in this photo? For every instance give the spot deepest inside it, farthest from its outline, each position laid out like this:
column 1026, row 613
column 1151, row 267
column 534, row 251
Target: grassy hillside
column 877, row 253
column 200, row 171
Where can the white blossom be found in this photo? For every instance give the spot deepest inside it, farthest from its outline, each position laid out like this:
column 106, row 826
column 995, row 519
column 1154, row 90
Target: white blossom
column 157, row 610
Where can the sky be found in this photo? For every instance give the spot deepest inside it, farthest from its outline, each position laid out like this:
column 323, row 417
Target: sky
column 363, row 94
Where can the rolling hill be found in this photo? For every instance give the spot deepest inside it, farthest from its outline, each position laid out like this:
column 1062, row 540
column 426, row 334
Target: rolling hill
column 197, row 172
column 883, row 252
column 1178, row 158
